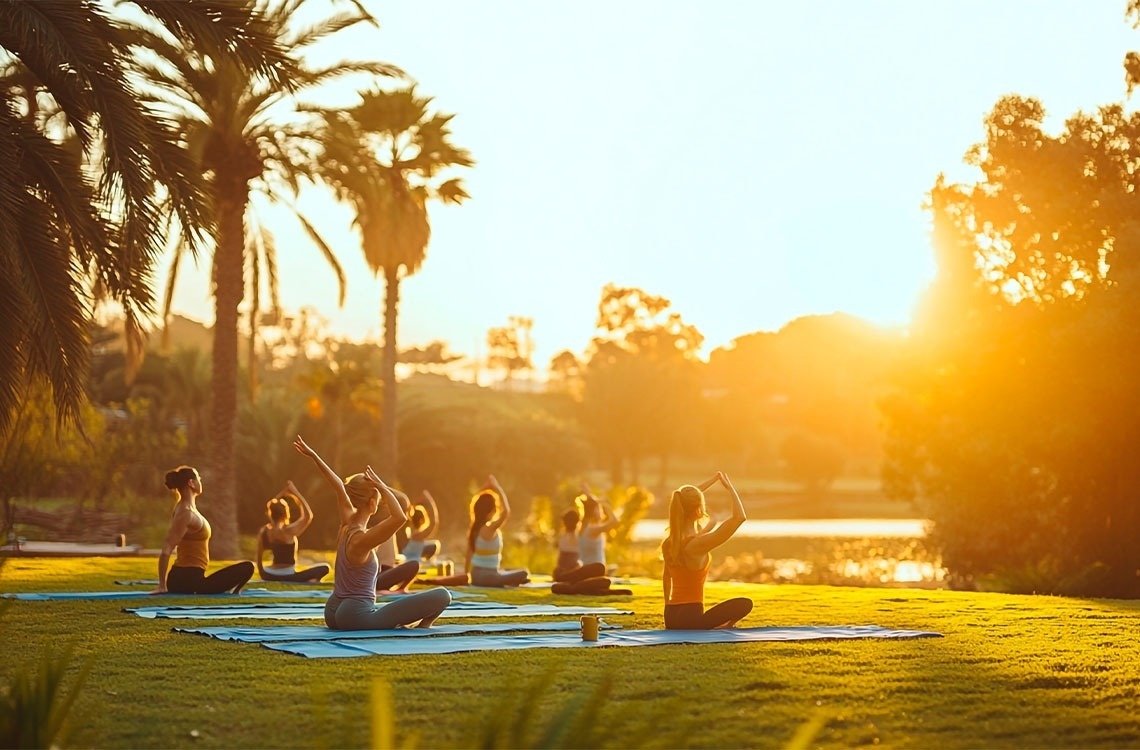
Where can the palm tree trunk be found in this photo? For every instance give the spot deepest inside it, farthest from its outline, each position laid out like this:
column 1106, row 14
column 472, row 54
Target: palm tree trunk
column 389, row 453
column 229, row 289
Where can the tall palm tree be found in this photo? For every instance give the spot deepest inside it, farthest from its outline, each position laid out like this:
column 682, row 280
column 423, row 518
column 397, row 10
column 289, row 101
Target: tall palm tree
column 82, row 194
column 246, row 135
column 387, row 157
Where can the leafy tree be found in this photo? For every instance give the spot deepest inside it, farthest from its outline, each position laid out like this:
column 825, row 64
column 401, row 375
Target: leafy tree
column 641, row 389
column 387, row 157
column 510, row 348
column 1016, row 416
column 236, row 130
column 83, row 194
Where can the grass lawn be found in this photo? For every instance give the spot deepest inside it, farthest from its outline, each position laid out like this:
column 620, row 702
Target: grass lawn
column 1011, row 671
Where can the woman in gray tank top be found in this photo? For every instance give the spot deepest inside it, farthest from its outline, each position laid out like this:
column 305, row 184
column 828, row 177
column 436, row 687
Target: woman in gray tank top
column 352, row 605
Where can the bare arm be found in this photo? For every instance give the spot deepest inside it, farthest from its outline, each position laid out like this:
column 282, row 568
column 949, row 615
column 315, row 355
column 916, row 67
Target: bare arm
column 704, row 486
column 306, row 516
column 179, row 525
column 343, row 505
column 701, row 544
column 432, row 514
column 504, row 507
column 359, row 544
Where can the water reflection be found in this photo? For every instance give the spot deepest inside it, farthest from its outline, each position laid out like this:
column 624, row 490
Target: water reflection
column 835, row 551
column 887, row 528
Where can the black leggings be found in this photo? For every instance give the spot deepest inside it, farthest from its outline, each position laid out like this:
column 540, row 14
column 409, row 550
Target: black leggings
column 596, row 585
column 580, row 573
column 182, row 580
column 692, row 616
column 308, row 575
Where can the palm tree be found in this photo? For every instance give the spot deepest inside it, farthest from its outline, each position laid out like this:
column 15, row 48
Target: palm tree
column 235, row 130
column 387, row 157
column 88, row 169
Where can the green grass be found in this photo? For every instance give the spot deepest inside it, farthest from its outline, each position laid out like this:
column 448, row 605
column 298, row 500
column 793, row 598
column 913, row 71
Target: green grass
column 1011, row 671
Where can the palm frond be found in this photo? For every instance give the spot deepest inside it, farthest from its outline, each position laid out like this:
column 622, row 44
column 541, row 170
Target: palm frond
column 225, row 29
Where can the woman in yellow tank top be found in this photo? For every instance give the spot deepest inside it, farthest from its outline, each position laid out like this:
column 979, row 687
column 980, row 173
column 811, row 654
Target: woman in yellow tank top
column 686, row 553
column 189, row 539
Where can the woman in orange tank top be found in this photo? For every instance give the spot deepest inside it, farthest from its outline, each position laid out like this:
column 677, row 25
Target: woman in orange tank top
column 686, row 553
column 189, row 540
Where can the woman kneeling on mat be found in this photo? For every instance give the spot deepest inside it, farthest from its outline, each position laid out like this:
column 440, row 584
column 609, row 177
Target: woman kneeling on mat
column 352, row 605
column 489, row 511
column 279, row 536
column 687, row 559
column 189, row 536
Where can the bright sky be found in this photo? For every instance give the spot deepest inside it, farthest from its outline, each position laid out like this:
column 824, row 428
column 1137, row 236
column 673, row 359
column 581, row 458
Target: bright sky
column 753, row 162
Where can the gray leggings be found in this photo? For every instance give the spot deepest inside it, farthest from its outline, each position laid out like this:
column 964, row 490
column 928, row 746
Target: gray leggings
column 498, row 578
column 358, row 614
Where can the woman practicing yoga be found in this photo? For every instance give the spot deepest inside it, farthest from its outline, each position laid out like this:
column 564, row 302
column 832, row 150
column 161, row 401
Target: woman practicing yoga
column 279, row 536
column 189, row 534
column 687, row 559
column 570, row 575
column 597, row 520
column 352, row 605
column 422, row 523
column 489, row 511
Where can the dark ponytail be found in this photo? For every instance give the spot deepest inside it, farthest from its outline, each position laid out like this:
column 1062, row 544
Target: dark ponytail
column 482, row 507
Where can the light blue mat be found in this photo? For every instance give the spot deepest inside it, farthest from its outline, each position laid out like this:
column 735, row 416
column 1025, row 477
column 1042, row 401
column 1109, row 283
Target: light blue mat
column 316, row 633
column 316, row 611
column 254, row 593
column 394, row 647
column 134, row 594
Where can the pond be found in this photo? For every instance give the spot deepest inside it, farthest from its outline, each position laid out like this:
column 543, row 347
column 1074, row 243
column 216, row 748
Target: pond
column 839, row 551
column 888, row 528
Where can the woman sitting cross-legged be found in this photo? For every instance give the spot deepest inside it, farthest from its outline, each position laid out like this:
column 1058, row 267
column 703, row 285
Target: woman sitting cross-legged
column 571, row 575
column 422, row 523
column 280, row 537
column 352, row 605
column 489, row 511
column 687, row 559
column 189, row 537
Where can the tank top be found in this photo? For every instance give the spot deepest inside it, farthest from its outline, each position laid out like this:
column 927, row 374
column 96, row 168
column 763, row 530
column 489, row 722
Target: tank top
column 592, row 549
column 414, row 549
column 353, row 581
column 488, row 552
column 193, row 550
column 284, row 553
column 688, row 584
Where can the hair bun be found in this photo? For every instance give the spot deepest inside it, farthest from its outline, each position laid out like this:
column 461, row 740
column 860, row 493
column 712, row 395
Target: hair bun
column 171, row 480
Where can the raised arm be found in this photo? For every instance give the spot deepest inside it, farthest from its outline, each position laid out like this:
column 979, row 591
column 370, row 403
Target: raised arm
column 609, row 518
column 343, row 505
column 305, row 517
column 432, row 514
column 704, row 486
column 504, row 506
column 701, row 544
column 179, row 525
column 359, row 544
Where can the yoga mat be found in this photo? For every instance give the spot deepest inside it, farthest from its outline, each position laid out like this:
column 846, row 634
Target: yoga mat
column 135, row 594
column 251, row 634
column 390, row 647
column 254, row 593
column 316, row 611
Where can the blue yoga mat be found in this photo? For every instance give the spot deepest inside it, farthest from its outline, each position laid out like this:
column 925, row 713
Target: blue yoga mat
column 133, row 594
column 254, row 593
column 346, row 648
column 316, row 611
column 315, row 633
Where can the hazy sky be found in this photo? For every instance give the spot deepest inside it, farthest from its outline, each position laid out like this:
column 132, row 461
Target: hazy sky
column 752, row 161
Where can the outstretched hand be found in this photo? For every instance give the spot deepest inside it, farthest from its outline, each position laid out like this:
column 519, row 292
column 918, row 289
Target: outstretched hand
column 303, row 447
column 290, row 487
